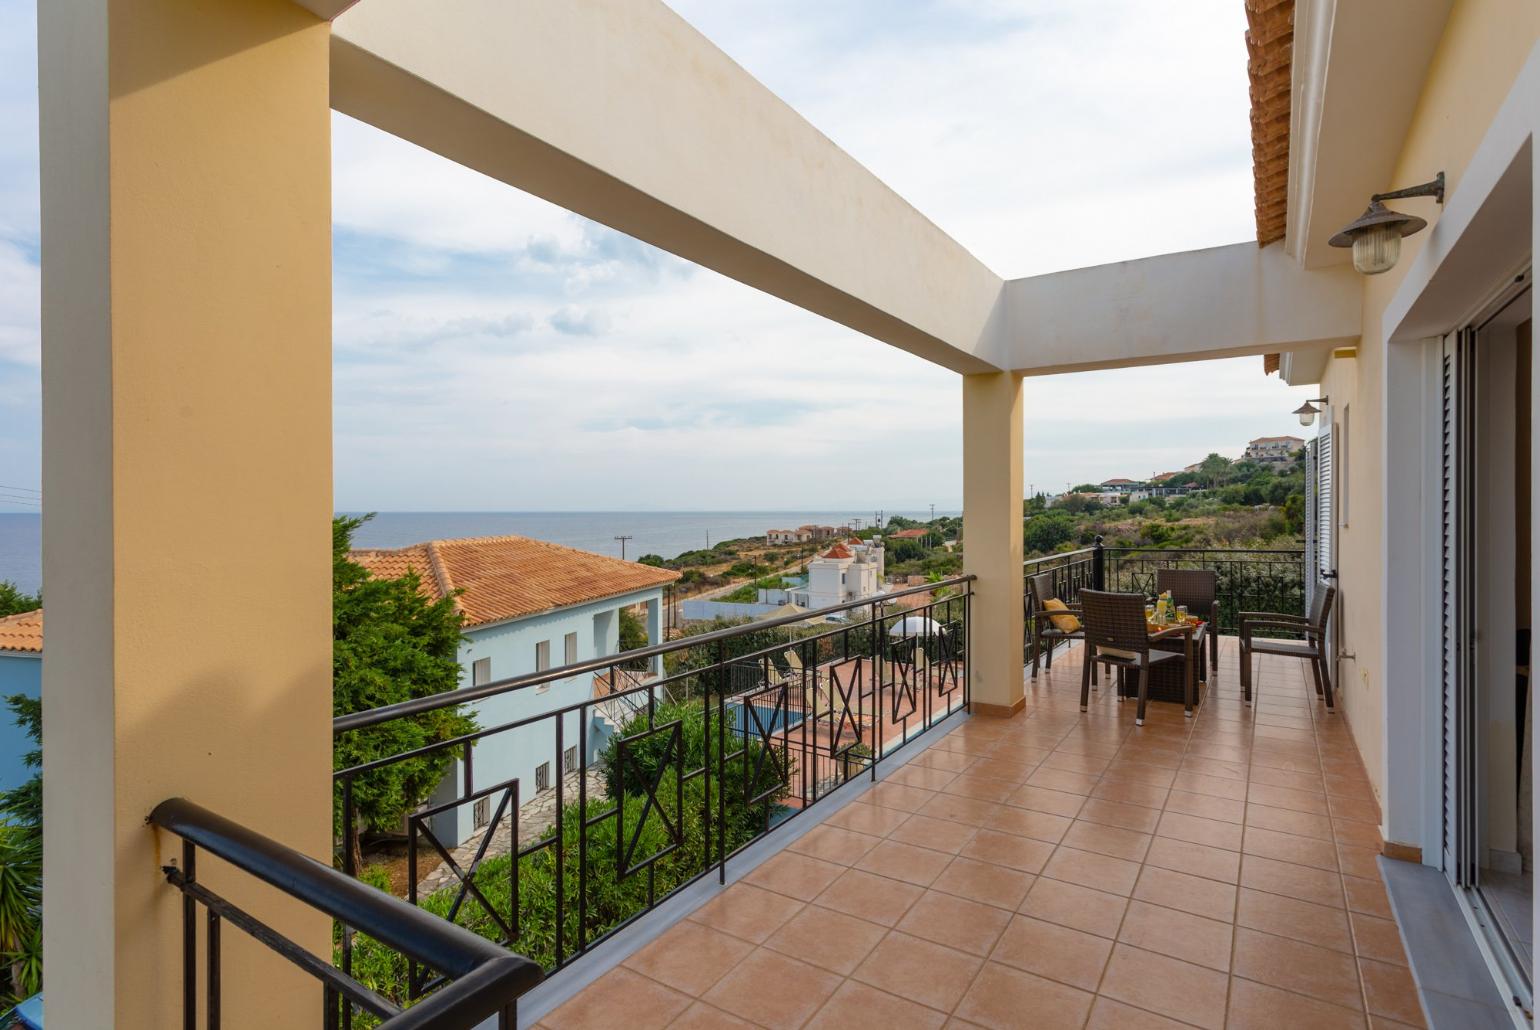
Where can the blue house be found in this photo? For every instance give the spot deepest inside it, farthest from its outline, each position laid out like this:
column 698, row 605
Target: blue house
column 21, row 672
column 529, row 606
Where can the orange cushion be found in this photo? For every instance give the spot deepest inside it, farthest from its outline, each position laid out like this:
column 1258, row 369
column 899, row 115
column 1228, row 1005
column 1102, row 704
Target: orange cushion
column 1066, row 623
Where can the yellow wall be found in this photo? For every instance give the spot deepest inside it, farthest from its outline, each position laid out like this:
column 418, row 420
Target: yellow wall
column 187, row 462
column 992, row 538
column 1484, row 44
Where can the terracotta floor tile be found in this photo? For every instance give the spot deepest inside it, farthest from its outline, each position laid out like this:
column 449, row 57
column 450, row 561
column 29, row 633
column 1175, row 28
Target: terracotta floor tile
column 1362, row 835
column 834, row 844
column 1378, row 939
column 949, row 761
column 1025, row 822
column 1054, row 951
column 701, row 1016
column 756, row 990
column 855, row 1006
column 1197, row 859
column 827, row 939
column 868, row 819
column 895, row 795
column 1355, row 861
column 1007, row 849
column 1195, row 830
column 919, row 970
column 1013, row 772
column 982, row 788
column 1195, row 894
column 1059, row 779
column 620, row 997
column 1284, row 820
column 1166, row 931
column 747, row 912
column 1308, row 781
column 876, row 899
column 1307, row 883
column 1001, row 996
column 690, row 957
column 1355, row 810
column 1090, row 765
column 959, row 809
column 956, row 922
column 795, row 875
column 1167, row 986
column 1367, row 896
column 992, row 884
column 1391, row 992
column 1295, row 966
column 1287, row 847
column 1044, row 799
column 1108, row 840
column 1255, row 1006
column 1209, row 767
column 1213, row 786
column 1207, row 806
column 923, row 776
column 1079, row 908
column 1300, row 920
column 906, row 862
column 1107, row 1014
column 1100, row 872
column 1123, row 816
column 1132, row 793
column 936, row 834
column 1140, row 772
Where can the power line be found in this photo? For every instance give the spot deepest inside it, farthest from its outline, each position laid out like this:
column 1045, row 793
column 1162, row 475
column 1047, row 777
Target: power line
column 21, row 489
column 623, row 540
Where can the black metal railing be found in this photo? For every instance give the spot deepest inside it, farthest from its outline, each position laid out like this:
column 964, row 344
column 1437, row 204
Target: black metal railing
column 1249, row 579
column 745, row 727
column 480, row 980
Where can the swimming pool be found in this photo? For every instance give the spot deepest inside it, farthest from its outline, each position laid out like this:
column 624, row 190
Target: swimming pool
column 766, row 719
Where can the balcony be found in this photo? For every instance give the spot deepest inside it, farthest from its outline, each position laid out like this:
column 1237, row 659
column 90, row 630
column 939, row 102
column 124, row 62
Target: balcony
column 1219, row 872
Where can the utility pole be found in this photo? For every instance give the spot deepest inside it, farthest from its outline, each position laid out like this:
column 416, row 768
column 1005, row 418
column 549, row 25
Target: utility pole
column 623, row 540
column 933, row 513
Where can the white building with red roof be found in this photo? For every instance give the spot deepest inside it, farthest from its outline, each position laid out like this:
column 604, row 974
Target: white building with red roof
column 851, row 570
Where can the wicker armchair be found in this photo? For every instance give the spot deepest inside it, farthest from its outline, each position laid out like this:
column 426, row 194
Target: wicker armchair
column 1312, row 648
column 1117, row 636
column 1045, row 635
column 1198, row 589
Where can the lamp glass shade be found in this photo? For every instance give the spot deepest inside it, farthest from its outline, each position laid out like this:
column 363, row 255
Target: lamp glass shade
column 1376, row 249
column 1306, row 413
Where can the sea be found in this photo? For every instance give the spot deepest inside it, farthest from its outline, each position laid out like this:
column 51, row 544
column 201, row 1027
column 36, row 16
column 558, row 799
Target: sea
column 664, row 533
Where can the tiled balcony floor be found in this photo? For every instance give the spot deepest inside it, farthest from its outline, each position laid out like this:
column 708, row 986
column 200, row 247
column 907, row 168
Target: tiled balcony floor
column 1061, row 869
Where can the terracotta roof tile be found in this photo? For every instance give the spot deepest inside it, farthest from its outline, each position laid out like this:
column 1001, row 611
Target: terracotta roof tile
column 911, row 534
column 1270, row 49
column 1270, row 363
column 508, row 577
column 22, row 632
column 837, row 551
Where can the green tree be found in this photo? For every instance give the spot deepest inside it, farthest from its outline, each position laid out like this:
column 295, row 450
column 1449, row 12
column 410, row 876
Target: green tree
column 1213, row 470
column 21, row 867
column 633, row 634
column 1044, row 533
column 390, row 643
column 14, row 601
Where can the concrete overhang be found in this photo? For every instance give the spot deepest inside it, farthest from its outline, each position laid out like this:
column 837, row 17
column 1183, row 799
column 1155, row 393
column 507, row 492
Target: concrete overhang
column 1359, row 67
column 1196, row 305
column 327, row 9
column 620, row 111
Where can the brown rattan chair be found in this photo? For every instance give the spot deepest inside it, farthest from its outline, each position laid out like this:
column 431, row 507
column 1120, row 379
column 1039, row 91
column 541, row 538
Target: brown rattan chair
column 1198, row 589
column 1045, row 635
column 1117, row 636
column 1312, row 648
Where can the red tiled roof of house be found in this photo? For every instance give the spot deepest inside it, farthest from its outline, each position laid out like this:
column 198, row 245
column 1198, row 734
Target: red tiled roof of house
column 838, row 551
column 1162, row 477
column 1116, row 482
column 1269, row 65
column 911, row 534
column 508, row 577
column 22, row 632
column 1277, row 439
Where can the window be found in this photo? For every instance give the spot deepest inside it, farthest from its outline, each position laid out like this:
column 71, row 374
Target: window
column 542, row 656
column 569, row 760
column 543, row 777
column 481, row 812
column 481, row 671
column 571, row 658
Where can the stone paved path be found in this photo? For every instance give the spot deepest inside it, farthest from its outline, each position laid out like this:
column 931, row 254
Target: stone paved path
column 535, row 818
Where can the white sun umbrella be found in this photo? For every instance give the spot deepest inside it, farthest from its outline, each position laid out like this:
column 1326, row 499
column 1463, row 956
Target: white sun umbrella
column 914, row 626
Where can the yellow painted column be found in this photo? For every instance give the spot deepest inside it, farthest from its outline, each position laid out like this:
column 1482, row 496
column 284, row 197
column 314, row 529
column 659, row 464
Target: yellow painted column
column 186, row 215
column 992, row 542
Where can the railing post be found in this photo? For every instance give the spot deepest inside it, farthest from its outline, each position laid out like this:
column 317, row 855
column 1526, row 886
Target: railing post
column 1098, row 565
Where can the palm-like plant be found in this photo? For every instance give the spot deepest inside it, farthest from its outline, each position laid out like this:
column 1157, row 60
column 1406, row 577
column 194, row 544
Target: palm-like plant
column 21, row 869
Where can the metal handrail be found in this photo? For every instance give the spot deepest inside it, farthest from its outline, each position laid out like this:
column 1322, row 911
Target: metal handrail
column 465, row 695
column 486, row 978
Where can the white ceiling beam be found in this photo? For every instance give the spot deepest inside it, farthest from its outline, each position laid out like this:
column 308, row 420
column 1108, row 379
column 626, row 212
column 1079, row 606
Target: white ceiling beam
column 1192, row 306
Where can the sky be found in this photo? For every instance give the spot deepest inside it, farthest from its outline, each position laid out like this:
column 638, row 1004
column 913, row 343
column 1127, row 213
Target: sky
column 494, row 352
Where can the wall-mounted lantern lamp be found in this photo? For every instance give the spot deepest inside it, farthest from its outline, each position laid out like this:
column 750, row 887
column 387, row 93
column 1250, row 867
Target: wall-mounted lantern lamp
column 1308, row 410
column 1376, row 235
